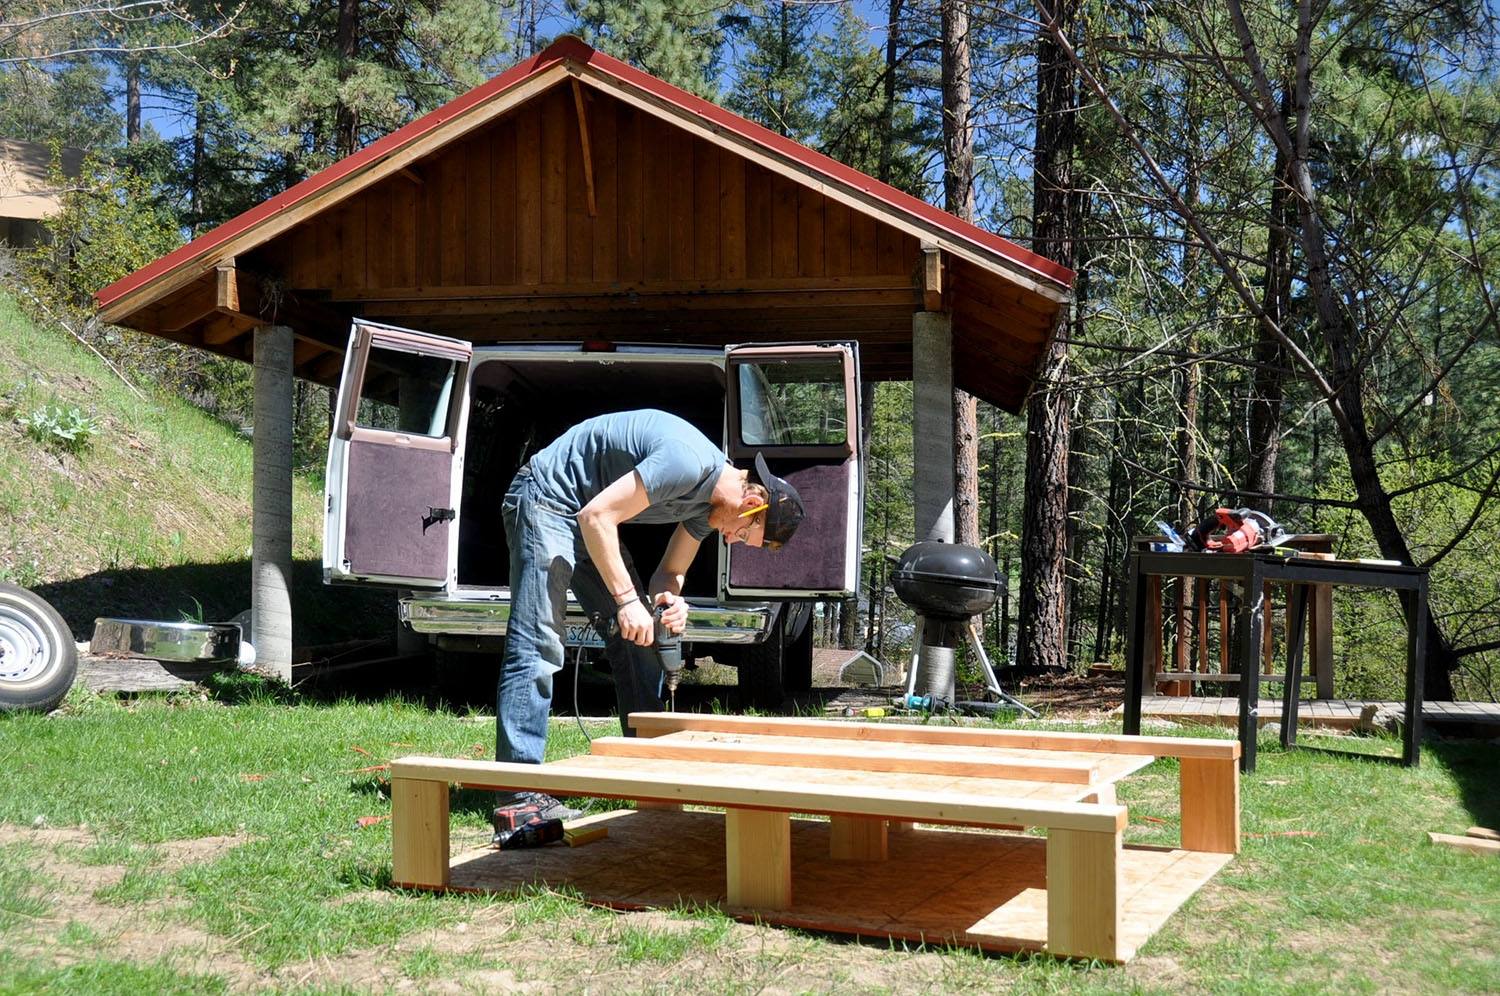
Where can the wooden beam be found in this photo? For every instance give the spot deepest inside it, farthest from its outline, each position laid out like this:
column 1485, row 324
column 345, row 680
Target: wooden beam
column 857, row 838
column 1083, row 894
column 583, row 141
column 189, row 307
column 1210, row 792
column 410, row 173
column 811, row 288
column 419, row 833
column 1474, row 845
column 225, row 328
column 803, row 752
column 733, row 786
column 227, row 288
column 758, row 858
column 1099, row 743
column 932, row 278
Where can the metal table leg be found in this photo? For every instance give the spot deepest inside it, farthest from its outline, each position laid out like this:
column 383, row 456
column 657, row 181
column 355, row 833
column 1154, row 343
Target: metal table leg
column 1250, row 615
column 1295, row 640
column 1135, row 624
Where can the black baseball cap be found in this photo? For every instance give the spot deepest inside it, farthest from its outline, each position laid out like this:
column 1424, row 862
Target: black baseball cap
column 784, row 509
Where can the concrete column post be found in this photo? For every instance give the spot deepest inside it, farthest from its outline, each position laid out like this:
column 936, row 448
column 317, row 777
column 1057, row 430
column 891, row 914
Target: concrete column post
column 271, row 547
column 932, row 470
column 932, row 424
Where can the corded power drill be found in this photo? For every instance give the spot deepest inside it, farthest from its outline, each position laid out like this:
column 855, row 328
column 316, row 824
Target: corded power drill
column 668, row 648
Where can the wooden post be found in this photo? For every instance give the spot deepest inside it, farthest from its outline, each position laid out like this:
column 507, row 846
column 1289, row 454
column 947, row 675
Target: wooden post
column 419, row 833
column 1083, row 894
column 271, row 500
column 1321, row 629
column 758, row 858
column 857, row 838
column 932, row 424
column 1210, row 791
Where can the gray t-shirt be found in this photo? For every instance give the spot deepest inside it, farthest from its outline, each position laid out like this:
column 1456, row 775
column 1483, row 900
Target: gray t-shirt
column 677, row 463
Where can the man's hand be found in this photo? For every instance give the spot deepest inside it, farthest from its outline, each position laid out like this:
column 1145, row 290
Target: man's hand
column 676, row 614
column 636, row 624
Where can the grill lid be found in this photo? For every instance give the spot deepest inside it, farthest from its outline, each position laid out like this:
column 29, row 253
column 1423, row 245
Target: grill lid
column 946, row 580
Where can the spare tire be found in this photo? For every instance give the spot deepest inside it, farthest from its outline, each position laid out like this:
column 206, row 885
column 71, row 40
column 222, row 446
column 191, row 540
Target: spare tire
column 38, row 659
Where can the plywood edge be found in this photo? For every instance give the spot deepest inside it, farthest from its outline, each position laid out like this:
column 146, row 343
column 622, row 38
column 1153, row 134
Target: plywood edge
column 698, row 783
column 658, row 723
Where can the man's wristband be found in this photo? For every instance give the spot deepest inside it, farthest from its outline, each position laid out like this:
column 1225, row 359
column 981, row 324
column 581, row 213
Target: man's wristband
column 624, row 598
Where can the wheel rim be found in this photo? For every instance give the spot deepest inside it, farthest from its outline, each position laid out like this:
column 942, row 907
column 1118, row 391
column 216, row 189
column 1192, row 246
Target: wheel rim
column 25, row 651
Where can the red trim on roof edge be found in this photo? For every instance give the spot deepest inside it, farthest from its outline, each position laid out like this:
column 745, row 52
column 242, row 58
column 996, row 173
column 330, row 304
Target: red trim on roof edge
column 563, row 49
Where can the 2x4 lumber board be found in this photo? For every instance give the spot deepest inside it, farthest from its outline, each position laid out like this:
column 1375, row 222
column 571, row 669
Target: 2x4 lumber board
column 660, row 722
column 1083, row 894
column 1482, row 833
column 932, row 278
column 1474, row 845
column 740, row 786
column 1210, row 794
column 758, row 859
column 857, row 838
column 826, row 754
column 419, row 832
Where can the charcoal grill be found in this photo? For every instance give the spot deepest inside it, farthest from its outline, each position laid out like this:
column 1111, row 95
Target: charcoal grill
column 947, row 585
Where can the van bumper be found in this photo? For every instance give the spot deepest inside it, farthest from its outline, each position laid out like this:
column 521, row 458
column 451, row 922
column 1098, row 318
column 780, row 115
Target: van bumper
column 489, row 614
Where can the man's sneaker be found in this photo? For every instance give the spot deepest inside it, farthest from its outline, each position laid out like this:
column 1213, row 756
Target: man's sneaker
column 516, row 809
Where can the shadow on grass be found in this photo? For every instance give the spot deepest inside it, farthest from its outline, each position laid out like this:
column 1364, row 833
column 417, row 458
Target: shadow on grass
column 321, row 614
column 1473, row 764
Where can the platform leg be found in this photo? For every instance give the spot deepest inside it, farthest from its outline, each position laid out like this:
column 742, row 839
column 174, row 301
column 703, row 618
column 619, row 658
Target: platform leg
column 1210, row 805
column 419, row 833
column 857, row 838
column 1083, row 894
column 758, row 858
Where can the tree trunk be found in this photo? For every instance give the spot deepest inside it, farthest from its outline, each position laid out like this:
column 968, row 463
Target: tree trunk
column 1054, row 219
column 888, row 96
column 346, row 120
column 132, row 101
column 1268, row 382
column 958, row 199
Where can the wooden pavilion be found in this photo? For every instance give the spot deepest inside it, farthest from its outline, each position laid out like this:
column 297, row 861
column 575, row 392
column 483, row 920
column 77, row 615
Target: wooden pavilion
column 574, row 197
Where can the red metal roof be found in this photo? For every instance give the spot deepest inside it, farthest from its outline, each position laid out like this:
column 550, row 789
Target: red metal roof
column 572, row 49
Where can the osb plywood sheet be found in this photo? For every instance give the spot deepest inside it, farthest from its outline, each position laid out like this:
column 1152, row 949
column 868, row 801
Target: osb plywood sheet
column 941, row 886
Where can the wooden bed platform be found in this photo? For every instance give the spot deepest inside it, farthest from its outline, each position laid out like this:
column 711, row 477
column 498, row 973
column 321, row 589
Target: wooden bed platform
column 867, row 869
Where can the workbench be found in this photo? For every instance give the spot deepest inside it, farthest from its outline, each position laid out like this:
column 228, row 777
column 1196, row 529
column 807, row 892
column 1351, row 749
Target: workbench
column 911, row 846
column 1251, row 571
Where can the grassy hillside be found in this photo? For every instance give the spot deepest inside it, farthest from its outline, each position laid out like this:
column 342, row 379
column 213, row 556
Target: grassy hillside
column 152, row 517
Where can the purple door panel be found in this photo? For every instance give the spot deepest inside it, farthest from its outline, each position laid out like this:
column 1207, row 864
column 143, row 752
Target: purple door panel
column 814, row 557
column 389, row 526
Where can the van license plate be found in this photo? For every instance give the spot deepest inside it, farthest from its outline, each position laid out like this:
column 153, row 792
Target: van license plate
column 582, row 635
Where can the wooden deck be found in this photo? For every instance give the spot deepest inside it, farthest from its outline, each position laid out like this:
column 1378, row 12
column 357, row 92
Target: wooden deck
column 1339, row 714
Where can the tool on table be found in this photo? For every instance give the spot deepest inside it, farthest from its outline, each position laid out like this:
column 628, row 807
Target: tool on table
column 1242, row 529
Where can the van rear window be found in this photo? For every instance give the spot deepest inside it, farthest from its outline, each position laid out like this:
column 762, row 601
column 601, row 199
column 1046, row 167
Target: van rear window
column 793, row 402
column 406, row 392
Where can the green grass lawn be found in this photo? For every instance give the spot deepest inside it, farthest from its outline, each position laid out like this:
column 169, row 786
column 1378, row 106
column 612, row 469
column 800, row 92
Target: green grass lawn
column 213, row 844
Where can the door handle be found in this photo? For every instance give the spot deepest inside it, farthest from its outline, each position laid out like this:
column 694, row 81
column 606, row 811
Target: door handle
column 436, row 515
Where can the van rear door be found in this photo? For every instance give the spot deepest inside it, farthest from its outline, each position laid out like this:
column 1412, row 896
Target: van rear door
column 799, row 405
column 395, row 459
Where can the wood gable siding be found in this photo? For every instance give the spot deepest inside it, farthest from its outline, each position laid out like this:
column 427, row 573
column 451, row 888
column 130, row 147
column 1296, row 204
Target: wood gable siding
column 509, row 207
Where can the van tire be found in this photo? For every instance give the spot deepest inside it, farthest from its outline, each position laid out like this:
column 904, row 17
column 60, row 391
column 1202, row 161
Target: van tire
column 38, row 659
column 780, row 666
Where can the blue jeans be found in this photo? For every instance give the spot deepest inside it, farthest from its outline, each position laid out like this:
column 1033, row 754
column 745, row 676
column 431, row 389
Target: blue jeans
column 547, row 556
